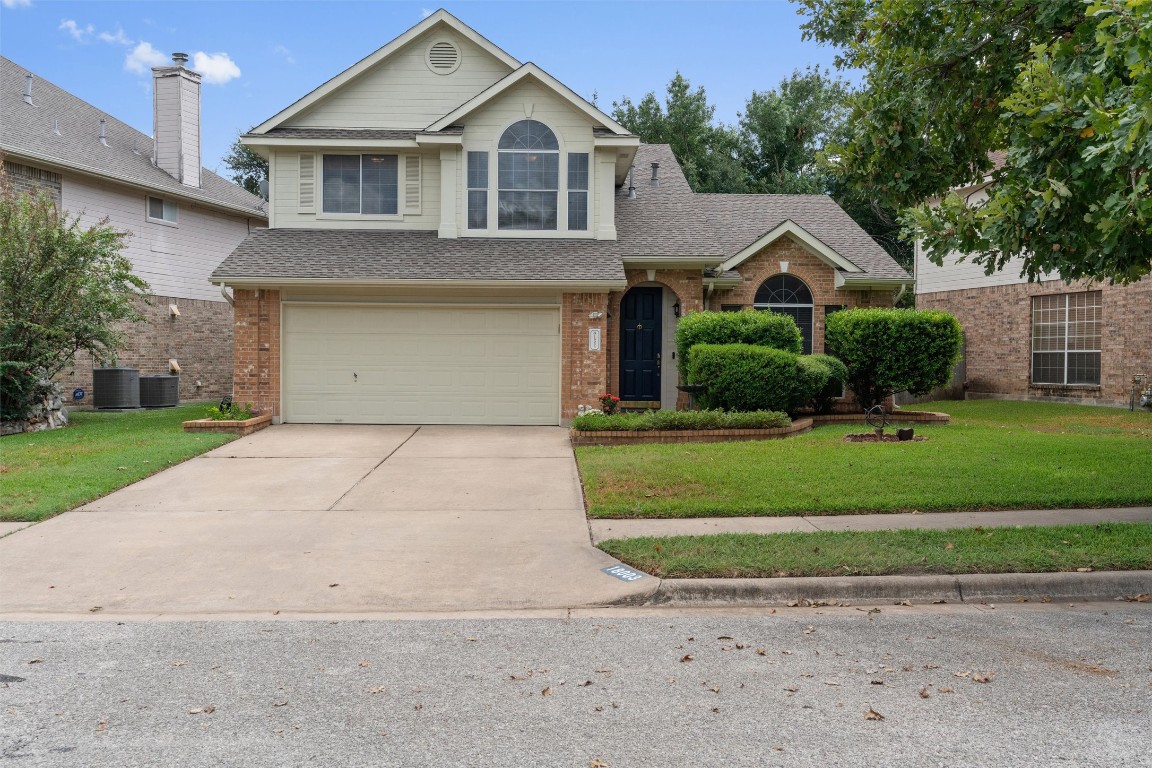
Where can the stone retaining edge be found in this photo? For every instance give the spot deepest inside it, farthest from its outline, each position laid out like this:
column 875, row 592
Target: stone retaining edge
column 1001, row 587
column 636, row 437
column 241, row 427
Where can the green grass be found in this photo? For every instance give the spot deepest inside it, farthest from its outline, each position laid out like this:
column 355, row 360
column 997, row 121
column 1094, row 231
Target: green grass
column 994, row 455
column 1107, row 546
column 45, row 473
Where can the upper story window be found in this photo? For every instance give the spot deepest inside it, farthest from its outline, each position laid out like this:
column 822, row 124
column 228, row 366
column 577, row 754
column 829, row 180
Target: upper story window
column 477, row 190
column 790, row 296
column 577, row 190
column 161, row 210
column 360, row 184
column 528, row 176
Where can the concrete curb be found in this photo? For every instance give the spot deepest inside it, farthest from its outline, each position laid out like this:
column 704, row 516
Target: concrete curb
column 1002, row 587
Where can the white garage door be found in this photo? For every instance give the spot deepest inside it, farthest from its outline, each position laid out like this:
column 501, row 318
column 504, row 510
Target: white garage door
column 421, row 365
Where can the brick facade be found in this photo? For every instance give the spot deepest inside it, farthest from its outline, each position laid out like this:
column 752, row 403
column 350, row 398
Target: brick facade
column 583, row 372
column 819, row 277
column 997, row 324
column 256, row 365
column 200, row 340
column 28, row 180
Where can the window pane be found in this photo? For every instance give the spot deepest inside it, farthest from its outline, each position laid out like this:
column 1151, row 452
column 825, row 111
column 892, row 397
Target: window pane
column 1048, row 368
column 477, row 170
column 578, row 170
column 169, row 211
column 577, row 210
column 380, row 193
column 155, row 208
column 528, row 134
column 527, row 210
column 341, row 183
column 529, row 170
column 1083, row 367
column 477, row 209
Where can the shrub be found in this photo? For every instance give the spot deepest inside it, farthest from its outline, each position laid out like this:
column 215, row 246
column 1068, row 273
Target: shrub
column 764, row 329
column 679, row 420
column 834, row 388
column 229, row 412
column 894, row 350
column 743, row 377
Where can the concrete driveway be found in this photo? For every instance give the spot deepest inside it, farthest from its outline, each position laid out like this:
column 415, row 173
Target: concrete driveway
column 328, row 519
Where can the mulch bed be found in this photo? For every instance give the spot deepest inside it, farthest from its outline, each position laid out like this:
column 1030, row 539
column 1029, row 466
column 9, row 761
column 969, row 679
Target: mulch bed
column 872, row 437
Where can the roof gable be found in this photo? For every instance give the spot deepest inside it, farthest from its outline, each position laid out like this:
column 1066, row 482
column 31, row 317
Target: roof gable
column 370, row 75
column 525, row 72
column 795, row 232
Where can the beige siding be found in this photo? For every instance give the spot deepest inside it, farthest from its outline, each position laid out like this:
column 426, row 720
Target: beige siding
column 285, row 193
column 189, row 131
column 175, row 260
column 401, row 92
column 957, row 275
column 573, row 129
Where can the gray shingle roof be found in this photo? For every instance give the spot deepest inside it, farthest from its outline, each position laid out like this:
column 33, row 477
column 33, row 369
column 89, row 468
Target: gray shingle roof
column 342, row 254
column 26, row 132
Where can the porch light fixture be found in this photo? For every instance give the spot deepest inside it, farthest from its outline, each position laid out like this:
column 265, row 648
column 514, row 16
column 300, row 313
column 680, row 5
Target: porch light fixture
column 676, row 309
column 784, row 267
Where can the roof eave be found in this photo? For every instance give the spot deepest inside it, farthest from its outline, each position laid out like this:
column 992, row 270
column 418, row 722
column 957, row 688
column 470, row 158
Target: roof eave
column 594, row 286
column 93, row 173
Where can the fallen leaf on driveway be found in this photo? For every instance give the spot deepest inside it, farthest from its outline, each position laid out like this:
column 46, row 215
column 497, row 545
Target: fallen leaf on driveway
column 872, row 714
column 179, row 662
column 95, row 608
column 924, row 693
column 980, row 677
column 1143, row 597
column 205, row 710
column 945, row 690
column 280, row 703
column 961, row 674
column 334, row 585
column 546, row 692
column 378, row 689
column 687, row 657
column 100, row 726
column 597, row 763
column 36, row 661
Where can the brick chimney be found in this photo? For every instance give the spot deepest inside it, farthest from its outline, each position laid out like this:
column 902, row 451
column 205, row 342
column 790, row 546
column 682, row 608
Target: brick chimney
column 176, row 120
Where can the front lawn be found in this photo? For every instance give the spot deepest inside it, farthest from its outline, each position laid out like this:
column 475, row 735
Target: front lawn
column 1107, row 546
column 995, row 455
column 45, row 473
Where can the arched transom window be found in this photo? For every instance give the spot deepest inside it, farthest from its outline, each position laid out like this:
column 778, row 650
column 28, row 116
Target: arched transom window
column 790, row 296
column 529, row 176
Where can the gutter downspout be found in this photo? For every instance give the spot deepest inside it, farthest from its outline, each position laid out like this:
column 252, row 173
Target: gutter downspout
column 903, row 290
column 227, row 298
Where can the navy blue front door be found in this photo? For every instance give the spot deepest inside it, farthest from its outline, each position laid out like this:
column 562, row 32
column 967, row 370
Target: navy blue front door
column 640, row 344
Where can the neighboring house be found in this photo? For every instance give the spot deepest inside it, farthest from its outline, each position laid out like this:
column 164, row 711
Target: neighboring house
column 1079, row 342
column 456, row 238
column 182, row 219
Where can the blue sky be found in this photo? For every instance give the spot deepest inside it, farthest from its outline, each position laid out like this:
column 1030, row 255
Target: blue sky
column 258, row 56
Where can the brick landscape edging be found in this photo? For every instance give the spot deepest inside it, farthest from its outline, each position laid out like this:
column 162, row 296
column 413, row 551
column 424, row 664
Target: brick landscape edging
column 799, row 426
column 240, row 427
column 637, row 437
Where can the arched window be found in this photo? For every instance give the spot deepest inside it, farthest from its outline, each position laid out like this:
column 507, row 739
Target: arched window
column 529, row 176
column 790, row 296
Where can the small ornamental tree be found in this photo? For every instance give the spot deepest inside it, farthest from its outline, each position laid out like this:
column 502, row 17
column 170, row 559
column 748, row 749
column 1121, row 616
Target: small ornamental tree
column 894, row 350
column 63, row 289
column 763, row 329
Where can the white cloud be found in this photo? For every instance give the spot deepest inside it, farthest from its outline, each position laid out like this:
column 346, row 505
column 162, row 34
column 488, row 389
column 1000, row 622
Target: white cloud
column 115, row 37
column 77, row 32
column 143, row 57
column 15, row 3
column 426, row 12
column 217, row 68
column 285, row 52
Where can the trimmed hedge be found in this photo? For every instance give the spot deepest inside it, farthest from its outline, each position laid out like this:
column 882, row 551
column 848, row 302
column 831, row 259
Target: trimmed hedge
column 679, row 420
column 894, row 350
column 743, row 377
column 833, row 388
column 764, row 329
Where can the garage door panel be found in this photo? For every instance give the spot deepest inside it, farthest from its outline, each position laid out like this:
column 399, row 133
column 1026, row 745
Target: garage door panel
column 426, row 365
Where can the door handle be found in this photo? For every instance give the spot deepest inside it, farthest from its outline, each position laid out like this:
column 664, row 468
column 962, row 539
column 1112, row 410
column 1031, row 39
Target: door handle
column 659, row 363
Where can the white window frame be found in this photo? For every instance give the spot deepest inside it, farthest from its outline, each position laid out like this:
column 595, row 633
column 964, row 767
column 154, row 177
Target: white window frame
column 168, row 206
column 1066, row 324
column 322, row 214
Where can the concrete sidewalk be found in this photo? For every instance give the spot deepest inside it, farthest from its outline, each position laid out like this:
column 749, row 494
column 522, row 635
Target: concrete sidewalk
column 627, row 529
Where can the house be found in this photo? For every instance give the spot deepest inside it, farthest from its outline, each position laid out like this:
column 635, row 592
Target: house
column 1074, row 342
column 182, row 219
column 457, row 237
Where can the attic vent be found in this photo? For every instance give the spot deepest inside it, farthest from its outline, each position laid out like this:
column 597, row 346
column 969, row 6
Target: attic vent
column 443, row 57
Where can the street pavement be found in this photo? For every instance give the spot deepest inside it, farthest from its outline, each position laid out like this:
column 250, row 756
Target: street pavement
column 933, row 685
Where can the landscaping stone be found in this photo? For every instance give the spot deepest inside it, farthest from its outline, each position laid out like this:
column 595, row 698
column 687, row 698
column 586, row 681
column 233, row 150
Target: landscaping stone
column 49, row 413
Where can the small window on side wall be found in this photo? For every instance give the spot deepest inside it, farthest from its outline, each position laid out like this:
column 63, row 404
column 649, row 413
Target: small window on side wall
column 161, row 210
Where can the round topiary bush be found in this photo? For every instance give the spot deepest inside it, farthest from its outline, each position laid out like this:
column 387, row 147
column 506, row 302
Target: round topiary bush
column 765, row 329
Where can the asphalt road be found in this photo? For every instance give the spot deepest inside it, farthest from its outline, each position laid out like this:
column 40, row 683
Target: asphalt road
column 1066, row 686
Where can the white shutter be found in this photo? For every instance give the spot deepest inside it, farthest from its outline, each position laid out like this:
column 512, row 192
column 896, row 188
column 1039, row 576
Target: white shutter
column 412, row 184
column 308, row 183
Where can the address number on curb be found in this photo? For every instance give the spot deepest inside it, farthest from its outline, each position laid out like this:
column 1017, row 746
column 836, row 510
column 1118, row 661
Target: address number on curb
column 622, row 572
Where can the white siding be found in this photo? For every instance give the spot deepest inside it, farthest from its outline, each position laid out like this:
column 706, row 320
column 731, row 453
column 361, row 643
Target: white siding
column 573, row 129
column 957, row 275
column 285, row 193
column 401, row 92
column 175, row 260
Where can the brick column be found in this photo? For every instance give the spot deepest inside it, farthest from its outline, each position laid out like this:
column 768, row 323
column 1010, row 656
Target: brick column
column 256, row 342
column 583, row 372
